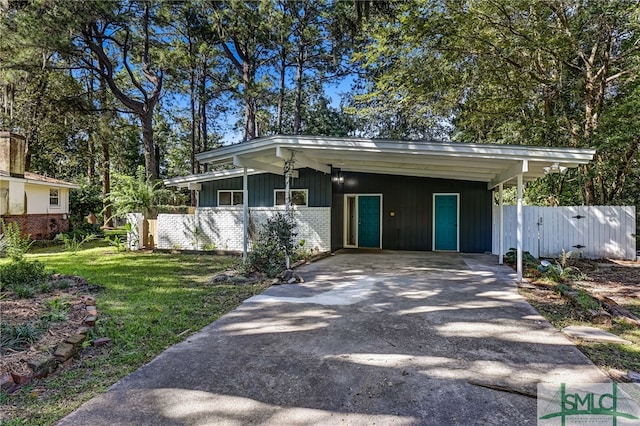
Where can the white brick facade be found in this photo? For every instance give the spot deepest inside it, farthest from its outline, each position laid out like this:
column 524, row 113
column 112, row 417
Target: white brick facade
column 223, row 227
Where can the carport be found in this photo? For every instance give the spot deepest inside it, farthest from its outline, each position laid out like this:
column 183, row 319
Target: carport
column 495, row 166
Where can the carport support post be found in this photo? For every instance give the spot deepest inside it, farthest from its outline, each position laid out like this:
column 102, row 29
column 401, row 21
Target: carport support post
column 501, row 221
column 519, row 230
column 288, row 167
column 245, row 213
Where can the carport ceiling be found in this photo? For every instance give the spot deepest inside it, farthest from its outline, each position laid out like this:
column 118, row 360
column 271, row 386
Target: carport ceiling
column 493, row 164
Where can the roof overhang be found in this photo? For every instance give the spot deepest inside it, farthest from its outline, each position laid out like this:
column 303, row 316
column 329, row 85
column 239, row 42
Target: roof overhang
column 191, row 180
column 35, row 179
column 490, row 163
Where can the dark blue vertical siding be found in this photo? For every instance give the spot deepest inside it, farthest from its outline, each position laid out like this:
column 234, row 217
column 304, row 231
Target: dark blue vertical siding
column 262, row 186
column 411, row 199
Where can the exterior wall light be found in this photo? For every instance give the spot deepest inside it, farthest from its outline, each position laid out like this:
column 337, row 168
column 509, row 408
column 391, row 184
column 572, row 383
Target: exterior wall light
column 555, row 168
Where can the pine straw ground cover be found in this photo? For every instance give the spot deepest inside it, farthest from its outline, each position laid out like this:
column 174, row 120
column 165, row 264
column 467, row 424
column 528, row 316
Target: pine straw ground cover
column 145, row 301
column 617, row 280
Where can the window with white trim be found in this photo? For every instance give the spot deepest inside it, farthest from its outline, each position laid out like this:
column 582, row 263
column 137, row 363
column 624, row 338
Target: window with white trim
column 54, row 197
column 299, row 197
column 230, row 198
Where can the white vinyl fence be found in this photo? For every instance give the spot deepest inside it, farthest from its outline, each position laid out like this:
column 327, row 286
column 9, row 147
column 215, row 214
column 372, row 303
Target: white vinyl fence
column 597, row 231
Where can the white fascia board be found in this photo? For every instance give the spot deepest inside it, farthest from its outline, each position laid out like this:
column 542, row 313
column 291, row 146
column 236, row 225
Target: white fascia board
column 68, row 185
column 184, row 181
column 438, row 148
column 52, row 184
column 307, row 145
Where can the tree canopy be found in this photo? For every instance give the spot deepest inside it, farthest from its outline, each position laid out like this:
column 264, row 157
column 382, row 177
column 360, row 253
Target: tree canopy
column 101, row 87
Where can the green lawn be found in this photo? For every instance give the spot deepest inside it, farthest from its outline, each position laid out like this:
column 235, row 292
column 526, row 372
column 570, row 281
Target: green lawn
column 148, row 302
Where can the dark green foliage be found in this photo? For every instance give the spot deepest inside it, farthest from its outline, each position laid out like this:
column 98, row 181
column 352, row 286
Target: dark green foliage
column 56, row 310
column 73, row 241
column 12, row 243
column 528, row 260
column 18, row 337
column 82, row 202
column 23, row 277
column 275, row 241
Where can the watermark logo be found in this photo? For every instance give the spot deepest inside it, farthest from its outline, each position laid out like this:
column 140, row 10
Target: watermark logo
column 588, row 404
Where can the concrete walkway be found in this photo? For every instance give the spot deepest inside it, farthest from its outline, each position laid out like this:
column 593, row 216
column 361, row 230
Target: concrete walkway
column 374, row 338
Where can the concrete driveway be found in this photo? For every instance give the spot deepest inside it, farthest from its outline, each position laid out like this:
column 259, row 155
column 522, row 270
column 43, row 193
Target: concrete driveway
column 370, row 338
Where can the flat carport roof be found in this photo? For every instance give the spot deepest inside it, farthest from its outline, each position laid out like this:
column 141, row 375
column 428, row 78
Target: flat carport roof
column 496, row 165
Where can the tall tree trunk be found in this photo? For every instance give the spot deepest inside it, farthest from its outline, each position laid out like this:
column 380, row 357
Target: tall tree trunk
column 91, row 165
column 203, row 108
column 297, row 121
column 249, row 109
column 106, row 182
column 194, row 125
column 150, row 164
column 281, row 92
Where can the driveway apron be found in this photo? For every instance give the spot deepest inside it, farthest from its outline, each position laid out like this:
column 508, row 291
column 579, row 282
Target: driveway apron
column 401, row 338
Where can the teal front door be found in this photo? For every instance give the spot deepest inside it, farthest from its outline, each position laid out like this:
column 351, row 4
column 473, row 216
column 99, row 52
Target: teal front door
column 445, row 222
column 369, row 221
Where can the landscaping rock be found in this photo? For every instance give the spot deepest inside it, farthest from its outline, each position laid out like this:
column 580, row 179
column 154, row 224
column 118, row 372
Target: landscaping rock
column 21, row 378
column 91, row 310
column 239, row 279
column 633, row 376
column 89, row 301
column 42, row 366
column 83, row 330
column 600, row 317
column 64, row 351
column 76, row 339
column 618, row 375
column 290, row 277
column 218, row 279
column 90, row 320
column 102, row 341
column 6, row 381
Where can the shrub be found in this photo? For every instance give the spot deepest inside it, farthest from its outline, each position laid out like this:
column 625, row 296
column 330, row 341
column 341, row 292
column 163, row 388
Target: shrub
column 275, row 242
column 528, row 259
column 18, row 337
column 57, row 310
column 118, row 242
column 73, row 242
column 12, row 243
column 22, row 276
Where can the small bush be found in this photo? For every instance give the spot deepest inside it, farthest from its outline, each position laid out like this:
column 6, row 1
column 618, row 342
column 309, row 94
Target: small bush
column 62, row 284
column 528, row 260
column 118, row 242
column 73, row 241
column 18, row 337
column 275, row 241
column 57, row 310
column 18, row 276
column 23, row 291
column 12, row 243
column 46, row 287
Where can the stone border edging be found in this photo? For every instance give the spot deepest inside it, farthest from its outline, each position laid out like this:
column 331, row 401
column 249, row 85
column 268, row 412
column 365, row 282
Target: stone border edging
column 64, row 351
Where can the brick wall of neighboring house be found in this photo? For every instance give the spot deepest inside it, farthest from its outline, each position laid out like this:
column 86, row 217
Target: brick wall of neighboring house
column 40, row 226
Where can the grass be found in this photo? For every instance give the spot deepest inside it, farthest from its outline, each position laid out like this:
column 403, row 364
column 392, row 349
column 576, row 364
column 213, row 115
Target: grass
column 148, row 302
column 561, row 313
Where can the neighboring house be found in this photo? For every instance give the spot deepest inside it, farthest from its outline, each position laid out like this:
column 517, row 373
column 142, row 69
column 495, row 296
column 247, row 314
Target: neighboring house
column 363, row 193
column 39, row 204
